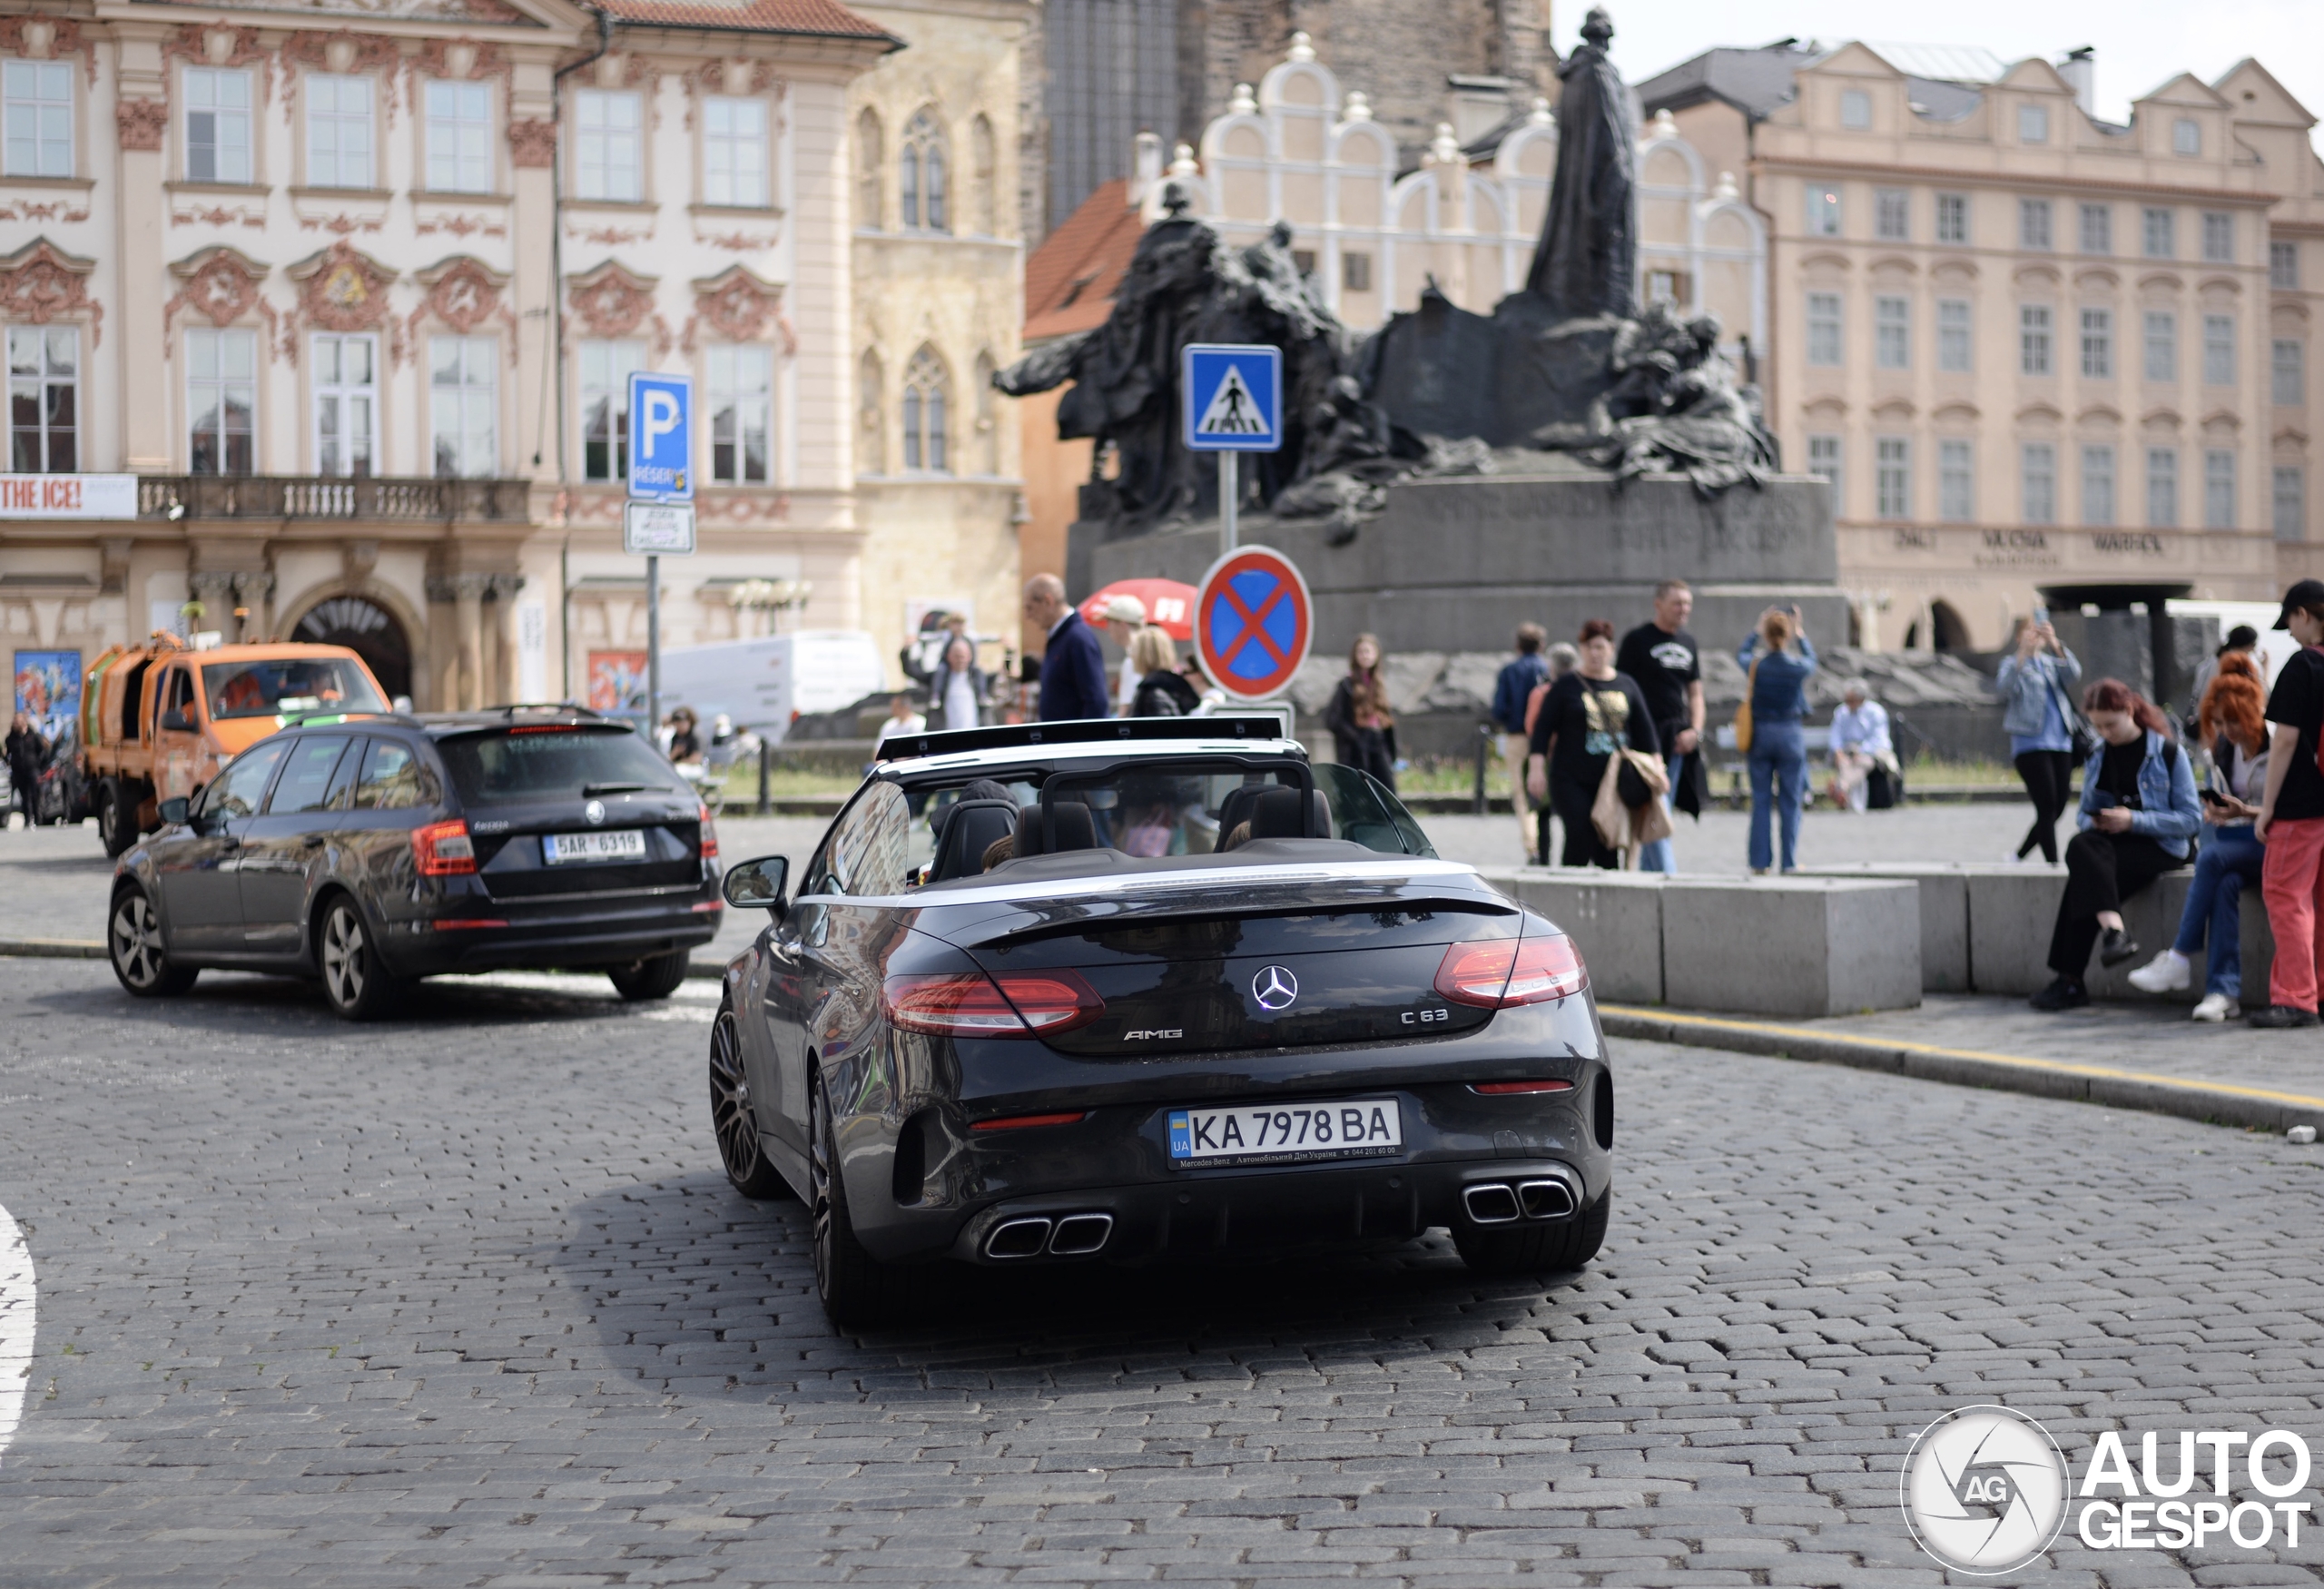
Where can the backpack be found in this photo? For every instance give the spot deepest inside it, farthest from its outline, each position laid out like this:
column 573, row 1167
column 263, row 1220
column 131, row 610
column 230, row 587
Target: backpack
column 1540, row 693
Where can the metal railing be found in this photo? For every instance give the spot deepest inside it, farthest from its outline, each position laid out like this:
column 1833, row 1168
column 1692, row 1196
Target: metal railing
column 327, row 496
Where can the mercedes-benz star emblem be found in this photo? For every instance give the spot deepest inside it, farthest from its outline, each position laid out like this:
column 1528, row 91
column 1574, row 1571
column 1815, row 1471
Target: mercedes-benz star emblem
column 594, row 811
column 1274, row 987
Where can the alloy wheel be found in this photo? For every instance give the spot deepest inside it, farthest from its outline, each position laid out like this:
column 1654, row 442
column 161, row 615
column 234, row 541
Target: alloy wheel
column 731, row 1115
column 819, row 1171
column 345, row 962
column 137, row 941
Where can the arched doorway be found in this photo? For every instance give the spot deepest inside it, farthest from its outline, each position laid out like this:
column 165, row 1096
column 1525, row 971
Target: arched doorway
column 1950, row 632
column 366, row 628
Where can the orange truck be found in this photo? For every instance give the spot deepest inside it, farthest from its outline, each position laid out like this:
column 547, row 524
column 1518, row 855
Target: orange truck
column 159, row 720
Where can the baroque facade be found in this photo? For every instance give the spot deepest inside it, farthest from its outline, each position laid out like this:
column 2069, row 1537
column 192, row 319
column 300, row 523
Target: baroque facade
column 937, row 277
column 2031, row 348
column 326, row 317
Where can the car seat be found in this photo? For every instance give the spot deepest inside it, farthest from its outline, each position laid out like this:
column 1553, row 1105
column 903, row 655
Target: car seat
column 1053, row 829
column 969, row 829
column 1276, row 811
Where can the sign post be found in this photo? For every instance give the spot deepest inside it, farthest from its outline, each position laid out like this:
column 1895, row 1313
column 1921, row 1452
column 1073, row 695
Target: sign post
column 1233, row 404
column 659, row 515
column 1254, row 622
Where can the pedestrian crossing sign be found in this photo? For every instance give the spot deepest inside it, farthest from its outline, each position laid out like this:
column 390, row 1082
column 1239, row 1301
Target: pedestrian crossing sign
column 1234, row 397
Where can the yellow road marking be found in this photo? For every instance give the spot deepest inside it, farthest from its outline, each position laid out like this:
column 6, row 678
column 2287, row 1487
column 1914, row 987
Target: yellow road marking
column 2019, row 1061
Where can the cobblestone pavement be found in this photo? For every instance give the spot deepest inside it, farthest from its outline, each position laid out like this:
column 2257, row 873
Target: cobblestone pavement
column 462, row 1300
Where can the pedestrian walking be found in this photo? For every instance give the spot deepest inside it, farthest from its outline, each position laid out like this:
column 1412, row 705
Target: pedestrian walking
column 1584, row 721
column 1662, row 656
column 1364, row 730
column 2139, row 819
column 956, row 689
column 1562, row 660
column 1860, row 740
column 26, row 749
column 2290, row 823
column 1162, row 690
column 1513, row 688
column 686, row 739
column 2231, row 722
column 1073, row 664
column 1778, row 661
column 2036, row 681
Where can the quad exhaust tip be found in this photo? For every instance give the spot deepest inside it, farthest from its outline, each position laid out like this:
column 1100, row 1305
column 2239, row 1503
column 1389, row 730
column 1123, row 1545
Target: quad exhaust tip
column 1072, row 1236
column 1496, row 1202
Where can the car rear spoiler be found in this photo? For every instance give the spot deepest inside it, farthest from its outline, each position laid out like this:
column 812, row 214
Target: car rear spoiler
column 1077, row 731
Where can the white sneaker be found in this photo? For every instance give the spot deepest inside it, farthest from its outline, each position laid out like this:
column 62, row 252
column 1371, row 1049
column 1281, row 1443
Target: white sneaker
column 2219, row 1007
column 2167, row 972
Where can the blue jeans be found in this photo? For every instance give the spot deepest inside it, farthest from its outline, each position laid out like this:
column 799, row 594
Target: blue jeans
column 2231, row 858
column 1657, row 856
column 1779, row 764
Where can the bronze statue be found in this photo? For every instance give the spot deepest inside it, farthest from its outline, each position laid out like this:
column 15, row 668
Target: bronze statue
column 1586, row 260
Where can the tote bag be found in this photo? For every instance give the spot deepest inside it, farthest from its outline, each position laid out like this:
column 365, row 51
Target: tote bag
column 1743, row 712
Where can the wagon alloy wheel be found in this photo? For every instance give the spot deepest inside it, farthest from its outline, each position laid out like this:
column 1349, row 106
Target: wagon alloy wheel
column 733, row 1120
column 135, row 943
column 357, row 985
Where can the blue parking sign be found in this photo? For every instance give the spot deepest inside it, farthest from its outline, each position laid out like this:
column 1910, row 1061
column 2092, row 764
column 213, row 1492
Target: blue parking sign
column 1234, row 397
column 661, row 437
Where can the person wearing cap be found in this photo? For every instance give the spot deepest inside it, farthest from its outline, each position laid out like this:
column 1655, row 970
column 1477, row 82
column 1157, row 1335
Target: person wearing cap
column 2291, row 817
column 1125, row 616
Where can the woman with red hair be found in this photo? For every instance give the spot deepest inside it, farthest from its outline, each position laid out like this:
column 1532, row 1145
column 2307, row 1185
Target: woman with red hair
column 2139, row 818
column 2232, row 720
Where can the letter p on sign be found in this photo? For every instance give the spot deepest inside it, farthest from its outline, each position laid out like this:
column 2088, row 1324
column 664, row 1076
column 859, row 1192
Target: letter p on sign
column 661, row 437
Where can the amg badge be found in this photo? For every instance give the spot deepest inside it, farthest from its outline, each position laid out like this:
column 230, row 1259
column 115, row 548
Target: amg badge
column 1163, row 1031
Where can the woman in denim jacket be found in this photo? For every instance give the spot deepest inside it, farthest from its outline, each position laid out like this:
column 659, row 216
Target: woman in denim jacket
column 2036, row 682
column 1778, row 754
column 2139, row 820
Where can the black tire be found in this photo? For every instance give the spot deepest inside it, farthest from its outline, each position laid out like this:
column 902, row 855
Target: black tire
column 116, row 818
column 357, row 986
column 135, row 943
column 855, row 1288
column 735, row 1121
column 656, row 976
column 1536, row 1249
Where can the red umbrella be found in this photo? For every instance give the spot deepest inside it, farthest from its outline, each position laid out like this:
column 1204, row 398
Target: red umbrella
column 1167, row 603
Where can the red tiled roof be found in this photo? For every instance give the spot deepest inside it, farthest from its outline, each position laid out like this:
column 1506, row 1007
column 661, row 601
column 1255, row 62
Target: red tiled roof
column 1070, row 279
column 818, row 18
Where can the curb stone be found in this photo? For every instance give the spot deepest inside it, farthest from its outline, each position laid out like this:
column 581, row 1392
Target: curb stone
column 2214, row 1103
column 55, row 948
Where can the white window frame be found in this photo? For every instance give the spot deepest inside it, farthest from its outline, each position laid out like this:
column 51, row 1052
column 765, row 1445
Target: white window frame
column 2033, row 123
column 1856, row 109
column 1952, row 218
column 741, row 406
column 1892, row 480
column 32, row 373
column 609, row 146
column 2283, row 266
column 1955, row 336
column 1957, row 481
column 230, row 165
column 2158, row 233
column 37, row 134
column 1892, row 215
column 1827, row 343
column 2218, row 237
column 341, row 142
column 2036, row 225
column 2036, row 339
column 464, row 413
column 1824, row 457
column 2098, row 344
column 1891, row 329
column 2287, row 371
column 735, row 164
column 1823, row 210
column 2187, row 138
column 2219, row 488
column 2159, row 344
column 2096, row 230
column 2287, row 501
column 2219, row 349
column 2162, row 488
column 353, row 405
column 2098, row 483
column 2037, row 482
column 602, row 370
column 209, row 346
column 459, row 135
column 927, row 416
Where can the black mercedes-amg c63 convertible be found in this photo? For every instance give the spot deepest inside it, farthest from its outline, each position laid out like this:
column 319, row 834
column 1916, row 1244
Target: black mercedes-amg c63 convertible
column 1116, row 991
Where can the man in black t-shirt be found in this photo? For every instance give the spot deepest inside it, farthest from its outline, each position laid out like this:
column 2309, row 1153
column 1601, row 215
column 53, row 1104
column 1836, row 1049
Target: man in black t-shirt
column 2291, row 817
column 1662, row 657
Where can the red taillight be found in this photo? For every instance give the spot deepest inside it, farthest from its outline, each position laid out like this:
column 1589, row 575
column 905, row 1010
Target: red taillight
column 444, row 849
column 1017, row 1122
column 1499, row 1088
column 1013, row 1004
column 1494, row 975
column 709, row 835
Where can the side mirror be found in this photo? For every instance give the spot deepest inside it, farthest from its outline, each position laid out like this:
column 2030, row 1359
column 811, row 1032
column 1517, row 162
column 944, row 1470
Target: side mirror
column 177, row 722
column 173, row 811
column 758, row 885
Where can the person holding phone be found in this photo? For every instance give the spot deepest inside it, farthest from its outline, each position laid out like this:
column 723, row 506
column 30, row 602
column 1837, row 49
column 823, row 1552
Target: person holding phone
column 2232, row 722
column 2139, row 819
column 2035, row 682
column 1778, row 754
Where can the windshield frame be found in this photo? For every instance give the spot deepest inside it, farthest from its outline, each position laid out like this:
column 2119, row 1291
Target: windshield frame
column 217, row 677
